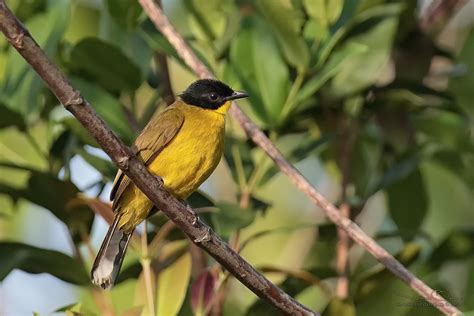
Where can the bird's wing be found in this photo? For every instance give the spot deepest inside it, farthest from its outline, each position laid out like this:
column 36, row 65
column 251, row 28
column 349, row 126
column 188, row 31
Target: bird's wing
column 155, row 136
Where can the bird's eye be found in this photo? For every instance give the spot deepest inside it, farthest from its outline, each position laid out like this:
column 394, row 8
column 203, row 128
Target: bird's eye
column 213, row 96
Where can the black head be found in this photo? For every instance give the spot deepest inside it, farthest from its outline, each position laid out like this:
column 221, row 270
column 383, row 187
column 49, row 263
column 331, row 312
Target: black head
column 210, row 94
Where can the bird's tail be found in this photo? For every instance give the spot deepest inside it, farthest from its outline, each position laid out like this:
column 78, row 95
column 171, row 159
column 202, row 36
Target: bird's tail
column 110, row 257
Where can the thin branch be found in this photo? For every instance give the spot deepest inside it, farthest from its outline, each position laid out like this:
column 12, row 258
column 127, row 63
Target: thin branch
column 438, row 15
column 348, row 138
column 151, row 185
column 163, row 72
column 353, row 230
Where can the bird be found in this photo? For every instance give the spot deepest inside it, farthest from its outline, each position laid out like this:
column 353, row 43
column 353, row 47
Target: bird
column 183, row 145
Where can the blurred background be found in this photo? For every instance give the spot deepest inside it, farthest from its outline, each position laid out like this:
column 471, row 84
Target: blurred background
column 370, row 99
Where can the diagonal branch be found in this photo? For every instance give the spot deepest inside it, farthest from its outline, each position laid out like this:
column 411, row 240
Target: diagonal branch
column 152, row 186
column 162, row 23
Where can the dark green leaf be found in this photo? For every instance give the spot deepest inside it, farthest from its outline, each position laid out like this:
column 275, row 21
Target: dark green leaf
column 398, row 171
column 73, row 125
column 104, row 166
column 22, row 86
column 237, row 153
column 363, row 69
column 287, row 22
column 330, row 69
column 107, row 106
column 446, row 128
column 30, row 259
column 199, row 199
column 125, row 12
column 462, row 85
column 365, row 164
column 306, row 147
column 231, row 218
column 56, row 196
column 9, row 117
column 99, row 60
column 261, row 69
column 408, row 204
column 457, row 245
column 374, row 279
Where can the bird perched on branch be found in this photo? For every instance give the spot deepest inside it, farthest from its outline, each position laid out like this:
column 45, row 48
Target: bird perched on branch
column 182, row 145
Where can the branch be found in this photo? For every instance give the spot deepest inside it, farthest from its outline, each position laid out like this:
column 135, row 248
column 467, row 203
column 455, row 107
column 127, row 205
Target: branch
column 353, row 230
column 152, row 186
column 438, row 15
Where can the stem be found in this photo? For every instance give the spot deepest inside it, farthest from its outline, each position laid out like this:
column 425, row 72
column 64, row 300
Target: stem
column 347, row 140
column 146, row 265
column 290, row 100
column 342, row 256
column 239, row 167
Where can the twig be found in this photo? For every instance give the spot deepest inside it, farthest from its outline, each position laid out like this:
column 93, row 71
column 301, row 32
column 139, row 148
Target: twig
column 151, row 185
column 165, row 88
column 147, row 274
column 348, row 138
column 438, row 14
column 342, row 257
column 353, row 230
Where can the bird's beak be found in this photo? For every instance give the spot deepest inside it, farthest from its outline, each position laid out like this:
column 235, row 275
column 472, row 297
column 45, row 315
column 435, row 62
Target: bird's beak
column 237, row 95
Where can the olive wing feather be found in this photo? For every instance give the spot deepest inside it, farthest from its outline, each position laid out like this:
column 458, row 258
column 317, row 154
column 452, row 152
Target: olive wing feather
column 156, row 135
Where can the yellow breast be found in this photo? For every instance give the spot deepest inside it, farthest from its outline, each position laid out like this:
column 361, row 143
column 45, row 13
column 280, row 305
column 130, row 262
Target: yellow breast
column 193, row 154
column 184, row 164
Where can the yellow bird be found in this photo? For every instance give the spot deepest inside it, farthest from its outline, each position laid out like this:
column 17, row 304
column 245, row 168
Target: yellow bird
column 182, row 145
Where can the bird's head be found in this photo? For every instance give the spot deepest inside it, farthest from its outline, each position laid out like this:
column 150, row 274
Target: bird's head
column 211, row 94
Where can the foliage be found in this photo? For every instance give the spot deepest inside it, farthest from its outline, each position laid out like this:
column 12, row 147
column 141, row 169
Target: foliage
column 348, row 90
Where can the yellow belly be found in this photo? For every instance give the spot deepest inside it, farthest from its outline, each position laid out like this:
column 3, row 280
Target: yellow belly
column 184, row 164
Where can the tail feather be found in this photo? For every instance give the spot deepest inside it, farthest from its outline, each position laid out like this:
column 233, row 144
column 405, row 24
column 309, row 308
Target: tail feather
column 110, row 257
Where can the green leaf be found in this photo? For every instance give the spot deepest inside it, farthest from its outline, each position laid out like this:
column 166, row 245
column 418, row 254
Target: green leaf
column 106, row 64
column 173, row 281
column 22, row 86
column 365, row 164
column 105, row 167
column 107, row 106
column 30, row 259
column 238, row 155
column 338, row 307
column 125, row 12
column 306, row 146
column 231, row 218
column 287, row 22
column 333, row 66
column 362, row 70
column 9, row 117
column 457, row 245
column 326, row 12
column 73, row 125
column 462, row 85
column 408, row 204
column 261, row 69
column 55, row 195
column 397, row 172
column 446, row 128
column 469, row 293
column 374, row 279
